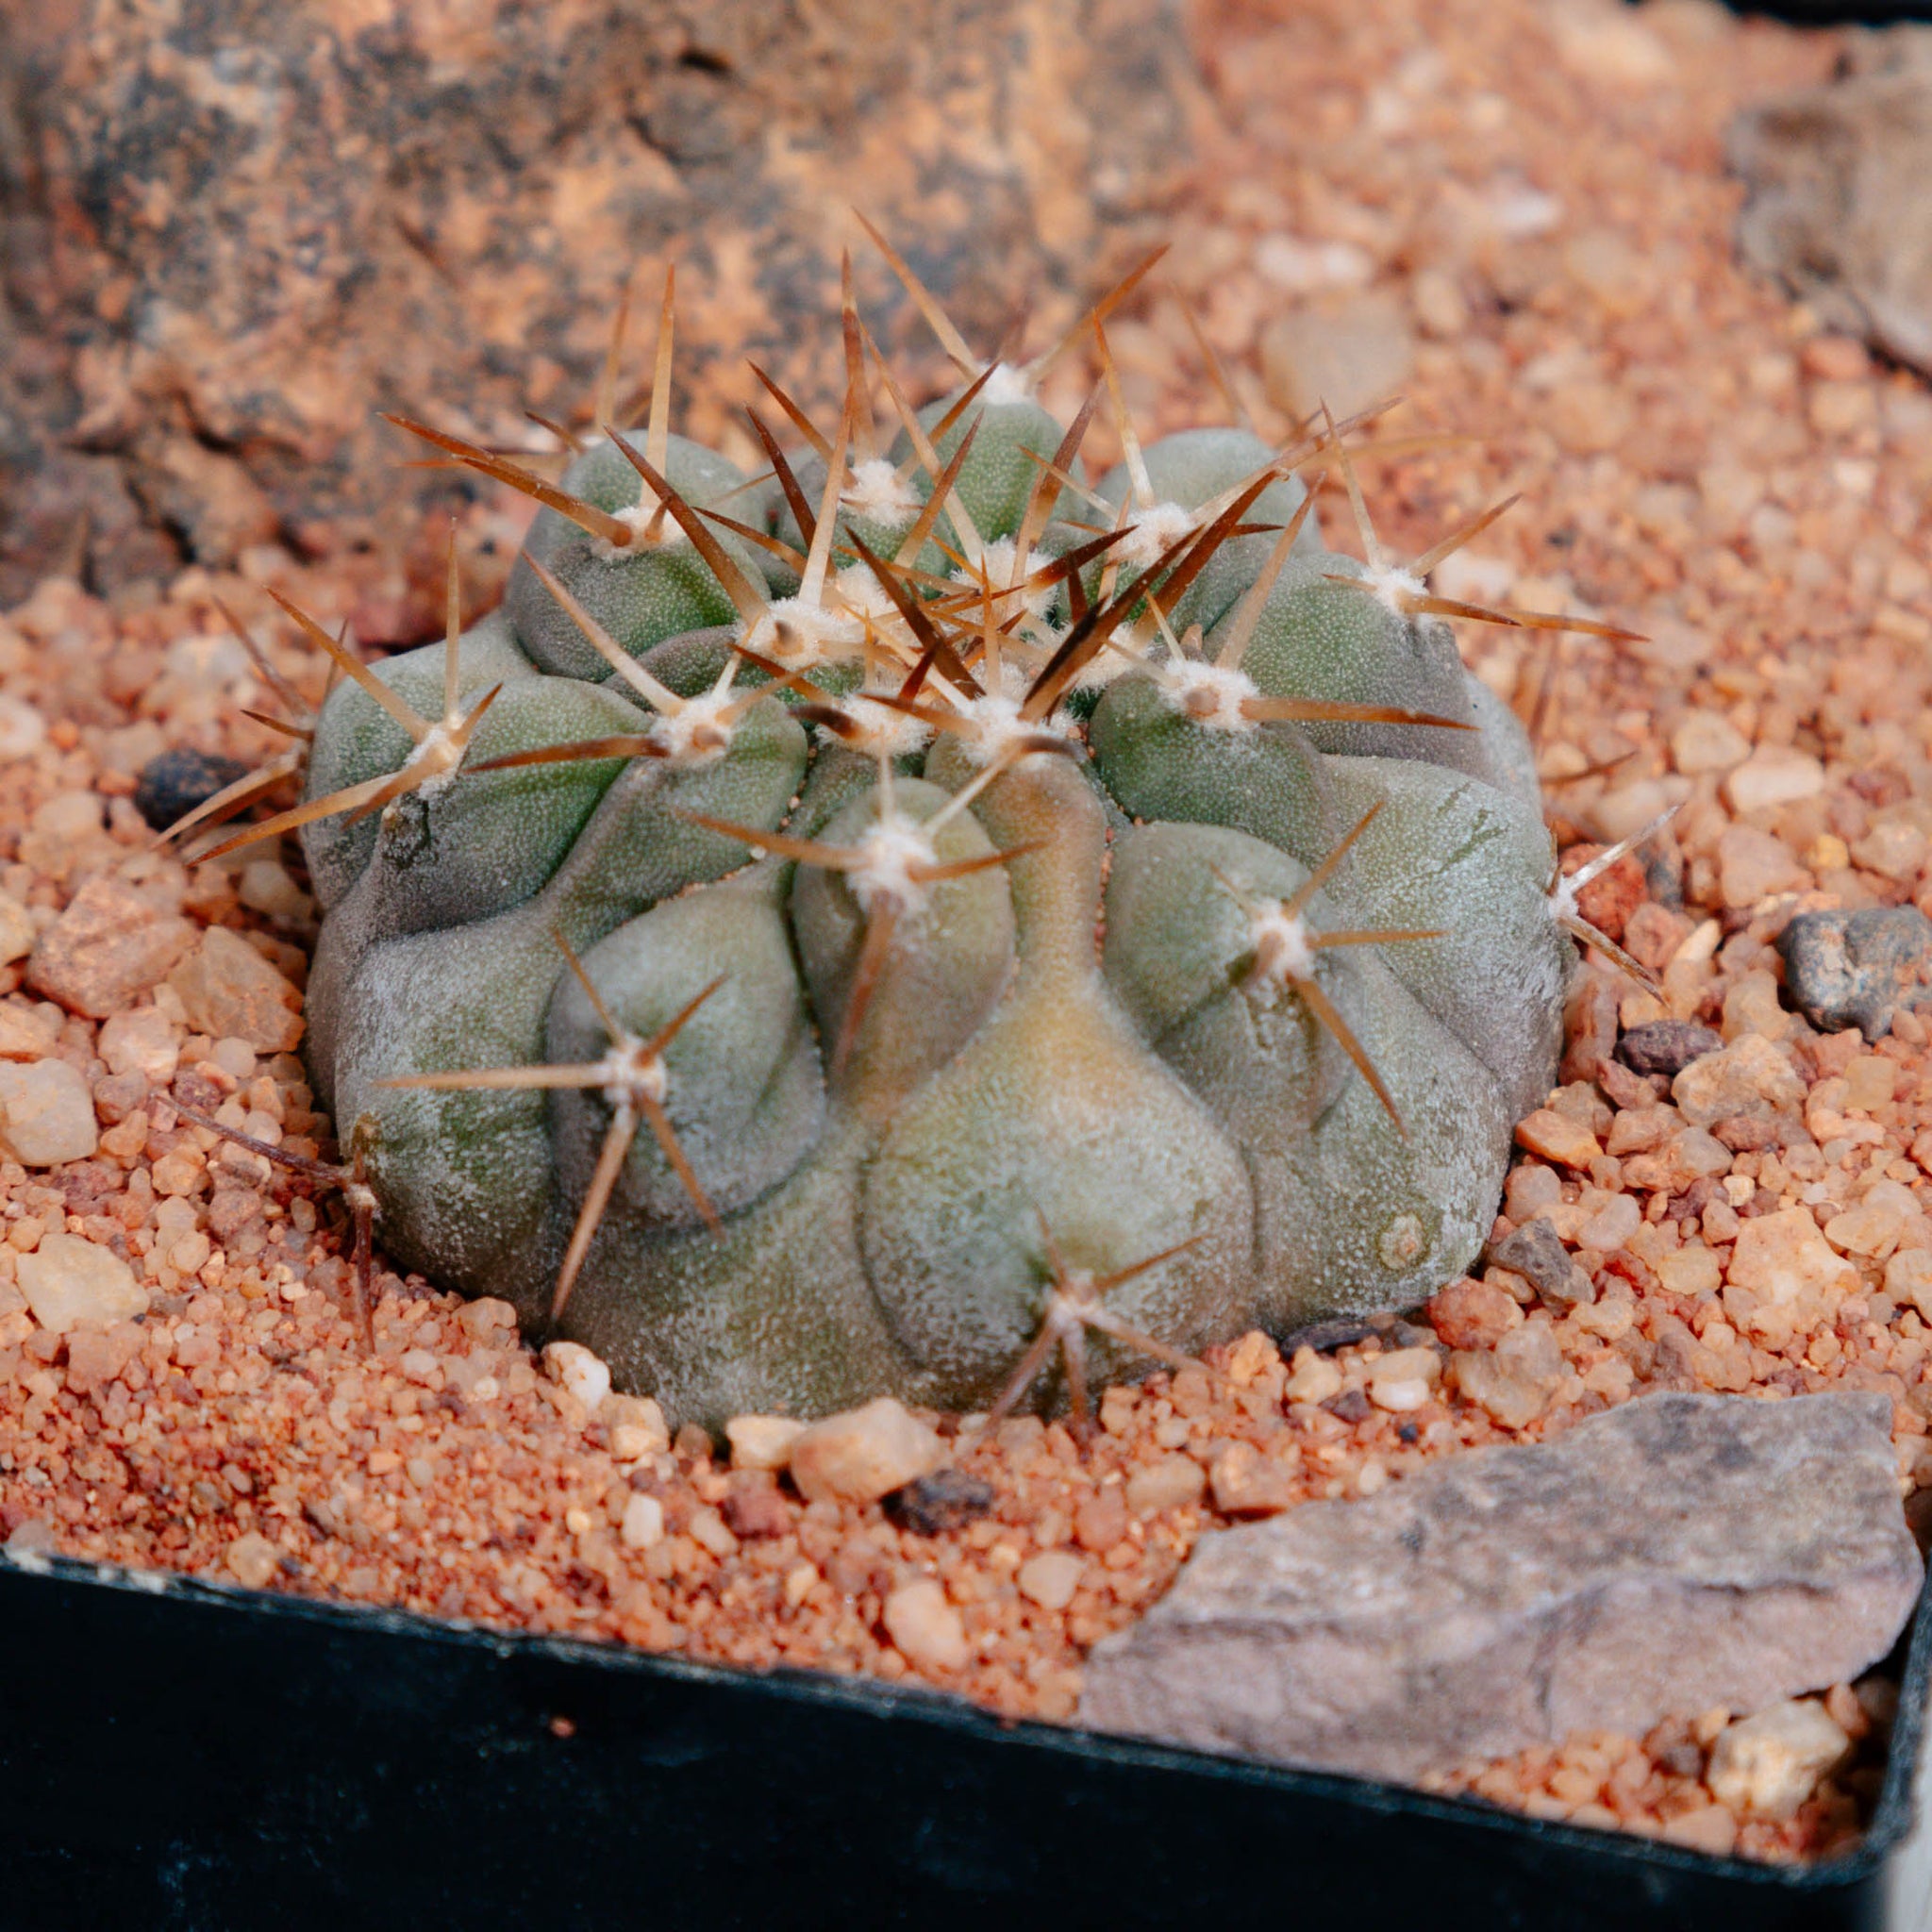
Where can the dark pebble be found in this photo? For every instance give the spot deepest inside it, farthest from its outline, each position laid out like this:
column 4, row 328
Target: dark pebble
column 1857, row 969
column 1666, row 1046
column 1351, row 1406
column 1325, row 1337
column 173, row 783
column 1537, row 1253
column 947, row 1499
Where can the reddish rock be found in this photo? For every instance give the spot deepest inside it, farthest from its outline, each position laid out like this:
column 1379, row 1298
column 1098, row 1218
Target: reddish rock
column 109, row 946
column 1472, row 1314
column 238, row 231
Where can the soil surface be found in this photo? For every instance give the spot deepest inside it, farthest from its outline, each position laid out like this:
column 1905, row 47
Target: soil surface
column 1516, row 215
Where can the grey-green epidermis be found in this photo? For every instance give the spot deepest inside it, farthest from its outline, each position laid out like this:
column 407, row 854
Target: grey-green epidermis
column 885, row 1229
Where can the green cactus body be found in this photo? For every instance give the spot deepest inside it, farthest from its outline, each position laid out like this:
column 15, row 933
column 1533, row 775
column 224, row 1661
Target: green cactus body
column 1004, row 1002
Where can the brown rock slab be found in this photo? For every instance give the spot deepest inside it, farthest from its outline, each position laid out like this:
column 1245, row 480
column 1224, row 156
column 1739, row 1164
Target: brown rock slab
column 229, row 991
column 454, row 228
column 1679, row 1553
column 106, row 950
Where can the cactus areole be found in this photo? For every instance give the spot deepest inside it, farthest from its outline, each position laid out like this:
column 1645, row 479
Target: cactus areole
column 928, row 921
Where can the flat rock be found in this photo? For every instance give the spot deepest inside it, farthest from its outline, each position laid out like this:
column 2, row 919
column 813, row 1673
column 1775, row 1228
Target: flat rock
column 1857, row 969
column 106, row 950
column 273, row 290
column 1679, row 1553
column 1835, row 205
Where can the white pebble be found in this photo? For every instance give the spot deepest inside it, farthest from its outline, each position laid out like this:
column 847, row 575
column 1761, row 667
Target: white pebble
column 864, row 1453
column 643, row 1522
column 579, row 1373
column 1771, row 1762
column 1050, row 1579
column 924, row 1626
column 46, row 1114
column 70, row 1283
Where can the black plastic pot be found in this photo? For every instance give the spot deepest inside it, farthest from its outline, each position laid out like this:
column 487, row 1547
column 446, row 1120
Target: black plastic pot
column 179, row 1755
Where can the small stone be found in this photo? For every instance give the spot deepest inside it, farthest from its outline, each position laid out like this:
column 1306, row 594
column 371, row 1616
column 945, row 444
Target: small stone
column 1531, row 1190
column 635, row 1425
column 1908, row 1278
column 95, row 1356
column 710, row 1531
column 1784, row 1256
column 1312, row 1377
column 1678, row 1553
column 1508, row 1390
column 1247, row 1483
column 1871, row 1080
column 1666, row 1046
column 71, row 1283
column 485, row 1317
column 22, row 730
column 1752, row 1005
column 1472, row 1314
column 1691, row 1270
column 926, row 1627
column 1174, row 1482
column 1773, row 774
column 1404, row 1379
column 1552, row 1135
column 947, row 1499
column 144, row 1041
column 46, row 1114
column 1050, row 1579
column 1706, row 741
column 761, row 1441
column 1609, row 1228
column 1101, row 1521
column 1769, row 1763
column 16, row 931
column 1894, row 848
column 172, row 785
column 253, row 1560
column 1876, row 1226
column 1749, row 1076
column 1857, row 969
column 106, row 950
column 33, row 1538
column 227, row 988
column 864, row 1453
column 1537, row 1253
column 1753, row 865
column 1347, row 349
column 1709, row 1828
column 643, row 1522
column 754, row 1508
column 579, row 1373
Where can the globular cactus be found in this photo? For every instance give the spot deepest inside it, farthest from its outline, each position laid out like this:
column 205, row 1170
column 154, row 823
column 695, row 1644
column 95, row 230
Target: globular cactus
column 864, row 928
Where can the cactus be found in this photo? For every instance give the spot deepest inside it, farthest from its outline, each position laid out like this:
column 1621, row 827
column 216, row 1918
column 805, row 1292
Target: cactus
column 876, row 927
